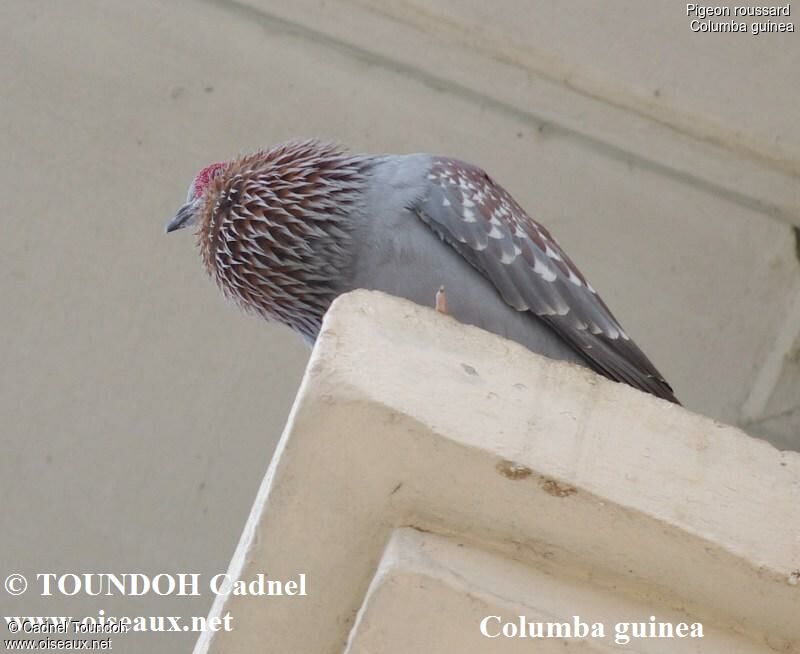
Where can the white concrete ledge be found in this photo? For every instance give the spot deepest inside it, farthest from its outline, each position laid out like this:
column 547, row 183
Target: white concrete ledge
column 607, row 499
column 420, row 573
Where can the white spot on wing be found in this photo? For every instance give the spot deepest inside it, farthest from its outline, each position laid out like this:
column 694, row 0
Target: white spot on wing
column 552, row 253
column 469, row 216
column 575, row 279
column 496, row 232
column 445, row 202
column 544, row 271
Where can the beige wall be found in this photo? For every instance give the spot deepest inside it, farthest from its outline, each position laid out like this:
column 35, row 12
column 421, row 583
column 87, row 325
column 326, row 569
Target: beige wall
column 138, row 411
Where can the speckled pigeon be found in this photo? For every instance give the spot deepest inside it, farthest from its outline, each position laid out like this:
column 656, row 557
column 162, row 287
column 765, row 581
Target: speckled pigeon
column 284, row 231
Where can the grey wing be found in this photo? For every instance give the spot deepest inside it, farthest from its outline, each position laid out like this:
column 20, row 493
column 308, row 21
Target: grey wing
column 483, row 223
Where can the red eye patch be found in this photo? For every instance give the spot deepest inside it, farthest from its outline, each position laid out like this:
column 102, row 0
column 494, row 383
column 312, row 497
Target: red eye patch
column 204, row 177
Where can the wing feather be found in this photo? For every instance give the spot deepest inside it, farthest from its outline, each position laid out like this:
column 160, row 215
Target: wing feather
column 485, row 225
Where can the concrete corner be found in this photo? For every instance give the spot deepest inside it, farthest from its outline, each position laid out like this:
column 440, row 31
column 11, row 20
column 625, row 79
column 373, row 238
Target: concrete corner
column 432, row 474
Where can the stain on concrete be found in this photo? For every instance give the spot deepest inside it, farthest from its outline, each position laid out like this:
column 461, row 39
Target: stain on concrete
column 557, row 489
column 421, row 530
column 512, row 470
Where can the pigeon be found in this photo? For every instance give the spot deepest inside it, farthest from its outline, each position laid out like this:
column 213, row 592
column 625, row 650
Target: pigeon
column 285, row 230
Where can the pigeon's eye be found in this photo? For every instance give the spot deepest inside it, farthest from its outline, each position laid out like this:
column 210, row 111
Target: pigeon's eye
column 202, row 180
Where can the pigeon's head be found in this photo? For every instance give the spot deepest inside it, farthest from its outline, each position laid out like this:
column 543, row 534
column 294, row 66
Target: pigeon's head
column 187, row 214
column 275, row 228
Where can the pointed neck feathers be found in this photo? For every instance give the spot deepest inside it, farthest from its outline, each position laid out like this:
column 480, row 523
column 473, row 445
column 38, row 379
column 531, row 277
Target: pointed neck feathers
column 275, row 229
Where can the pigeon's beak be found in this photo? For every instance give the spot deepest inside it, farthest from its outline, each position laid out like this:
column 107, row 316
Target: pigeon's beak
column 182, row 219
